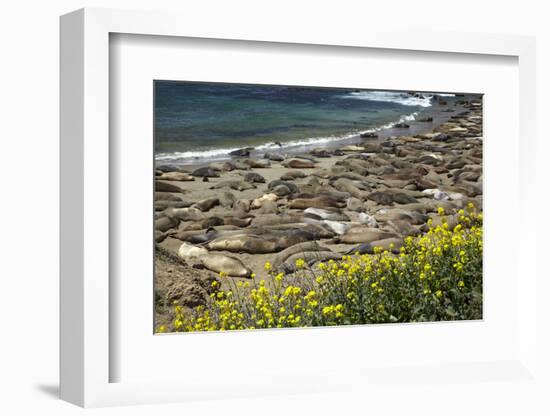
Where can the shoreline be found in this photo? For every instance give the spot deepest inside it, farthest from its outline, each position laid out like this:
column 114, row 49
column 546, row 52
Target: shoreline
column 439, row 113
column 373, row 186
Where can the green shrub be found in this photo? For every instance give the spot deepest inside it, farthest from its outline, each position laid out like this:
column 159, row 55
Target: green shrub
column 435, row 277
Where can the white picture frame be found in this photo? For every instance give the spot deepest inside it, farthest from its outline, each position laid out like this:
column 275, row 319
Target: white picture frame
column 85, row 211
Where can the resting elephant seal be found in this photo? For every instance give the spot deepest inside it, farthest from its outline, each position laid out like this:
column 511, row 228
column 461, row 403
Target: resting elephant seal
column 413, row 217
column 318, row 202
column 238, row 222
column 292, row 175
column 205, row 172
column 367, row 219
column 258, row 202
column 168, row 187
column 243, row 243
column 310, row 257
column 184, row 214
column 355, row 189
column 299, row 248
column 258, row 164
column 166, row 196
column 187, row 251
column 207, row 204
column 254, row 177
column 363, row 235
column 326, row 214
column 226, row 166
column 176, row 176
column 221, row 263
column 298, row 164
column 339, row 228
column 162, row 205
column 384, row 244
column 236, row 185
column 165, row 223
column 227, row 199
column 291, row 186
column 268, row 207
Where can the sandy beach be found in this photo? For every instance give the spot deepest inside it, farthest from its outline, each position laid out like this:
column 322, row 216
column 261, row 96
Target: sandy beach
column 234, row 215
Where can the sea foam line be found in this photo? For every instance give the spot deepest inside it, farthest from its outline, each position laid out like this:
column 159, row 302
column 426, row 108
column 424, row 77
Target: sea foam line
column 421, row 99
column 222, row 153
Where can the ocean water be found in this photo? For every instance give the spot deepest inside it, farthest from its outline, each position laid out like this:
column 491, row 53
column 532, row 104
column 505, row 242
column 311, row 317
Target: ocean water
column 208, row 120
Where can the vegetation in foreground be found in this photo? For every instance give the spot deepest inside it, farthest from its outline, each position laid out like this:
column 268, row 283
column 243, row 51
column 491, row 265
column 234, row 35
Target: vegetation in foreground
column 435, row 277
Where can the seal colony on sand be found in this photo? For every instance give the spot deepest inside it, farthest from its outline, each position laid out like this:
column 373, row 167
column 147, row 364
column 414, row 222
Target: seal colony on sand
column 319, row 205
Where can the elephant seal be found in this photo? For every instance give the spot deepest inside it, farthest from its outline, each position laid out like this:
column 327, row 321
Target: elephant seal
column 363, row 235
column 326, row 214
column 254, row 177
column 257, row 203
column 389, row 197
column 365, row 218
column 299, row 164
column 310, row 257
column 226, row 166
column 339, row 228
column 164, row 223
column 184, row 214
column 275, row 157
column 168, row 187
column 244, row 152
column 274, row 219
column 322, row 201
column 356, row 189
column 221, row 263
column 207, row 204
column 288, row 237
column 281, row 190
column 293, row 175
column 166, row 196
column 238, row 222
column 291, row 186
column 241, row 205
column 227, row 199
column 187, row 251
column 236, row 185
column 403, row 228
column 176, row 176
column 299, row 248
column 384, row 244
column 354, row 204
column 211, row 222
column 160, row 236
column 162, row 205
column 258, row 164
column 205, row 172
column 243, row 243
column 268, row 207
column 413, row 217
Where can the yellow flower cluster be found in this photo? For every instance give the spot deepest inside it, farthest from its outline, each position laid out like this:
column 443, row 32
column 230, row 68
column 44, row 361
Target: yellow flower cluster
column 436, row 276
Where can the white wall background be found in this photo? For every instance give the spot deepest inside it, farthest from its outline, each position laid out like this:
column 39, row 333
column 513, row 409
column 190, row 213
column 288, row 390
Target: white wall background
column 29, row 116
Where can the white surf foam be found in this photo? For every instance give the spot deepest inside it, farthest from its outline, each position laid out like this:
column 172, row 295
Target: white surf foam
column 223, row 153
column 418, row 99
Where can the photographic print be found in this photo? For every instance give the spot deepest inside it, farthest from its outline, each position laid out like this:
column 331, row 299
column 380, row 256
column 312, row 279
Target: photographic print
column 292, row 206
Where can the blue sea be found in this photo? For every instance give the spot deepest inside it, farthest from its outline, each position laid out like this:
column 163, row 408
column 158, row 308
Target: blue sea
column 208, row 120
